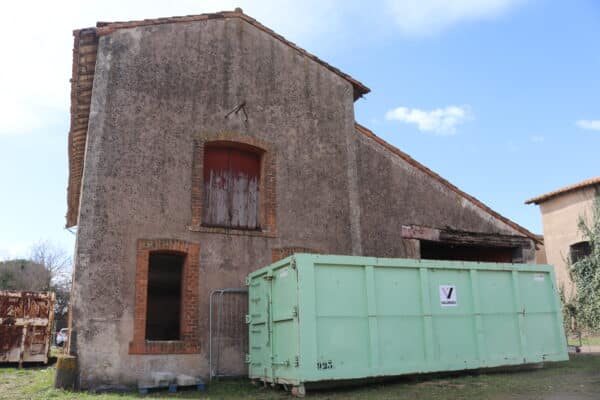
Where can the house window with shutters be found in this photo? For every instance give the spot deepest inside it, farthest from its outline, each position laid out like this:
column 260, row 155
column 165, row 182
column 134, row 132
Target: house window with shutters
column 231, row 186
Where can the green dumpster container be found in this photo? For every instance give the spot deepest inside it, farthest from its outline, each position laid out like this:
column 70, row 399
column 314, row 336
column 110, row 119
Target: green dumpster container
column 316, row 318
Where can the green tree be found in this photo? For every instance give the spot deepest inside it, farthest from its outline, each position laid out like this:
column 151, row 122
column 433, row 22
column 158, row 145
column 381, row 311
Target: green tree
column 585, row 274
column 47, row 269
column 22, row 274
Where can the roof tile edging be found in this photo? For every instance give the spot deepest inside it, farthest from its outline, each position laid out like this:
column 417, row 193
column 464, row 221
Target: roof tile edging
column 370, row 134
column 564, row 190
column 80, row 83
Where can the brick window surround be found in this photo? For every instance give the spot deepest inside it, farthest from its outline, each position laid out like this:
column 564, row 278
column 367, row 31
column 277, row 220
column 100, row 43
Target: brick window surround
column 267, row 184
column 282, row 252
column 190, row 337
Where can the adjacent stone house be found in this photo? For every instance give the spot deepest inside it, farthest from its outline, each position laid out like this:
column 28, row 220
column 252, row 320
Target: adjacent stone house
column 204, row 147
column 563, row 241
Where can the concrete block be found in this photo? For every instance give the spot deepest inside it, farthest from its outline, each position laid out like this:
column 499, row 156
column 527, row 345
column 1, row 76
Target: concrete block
column 186, row 380
column 161, row 379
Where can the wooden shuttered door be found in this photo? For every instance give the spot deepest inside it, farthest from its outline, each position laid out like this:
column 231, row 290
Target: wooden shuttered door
column 231, row 187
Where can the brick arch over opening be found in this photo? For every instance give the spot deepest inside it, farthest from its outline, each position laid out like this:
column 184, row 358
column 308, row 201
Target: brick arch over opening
column 189, row 325
column 280, row 253
column 267, row 199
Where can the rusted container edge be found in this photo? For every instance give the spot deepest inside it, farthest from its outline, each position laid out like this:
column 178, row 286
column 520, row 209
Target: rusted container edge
column 25, row 326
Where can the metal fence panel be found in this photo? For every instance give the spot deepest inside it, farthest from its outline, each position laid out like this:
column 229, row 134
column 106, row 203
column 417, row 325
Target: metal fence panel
column 228, row 339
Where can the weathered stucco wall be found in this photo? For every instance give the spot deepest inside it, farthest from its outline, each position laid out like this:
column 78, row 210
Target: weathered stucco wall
column 395, row 193
column 156, row 89
column 559, row 220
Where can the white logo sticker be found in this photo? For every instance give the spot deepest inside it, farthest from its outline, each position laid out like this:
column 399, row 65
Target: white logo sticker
column 448, row 295
column 538, row 277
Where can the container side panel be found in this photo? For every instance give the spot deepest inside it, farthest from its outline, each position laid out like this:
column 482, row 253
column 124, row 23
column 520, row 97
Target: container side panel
column 453, row 319
column 398, row 292
column 541, row 340
column 539, row 310
column 35, row 344
column 401, row 342
column 496, row 292
column 536, row 292
column 497, row 305
column 259, row 346
column 284, row 292
column 307, row 320
column 342, row 323
column 342, row 345
column 455, row 340
column 11, row 337
column 285, row 349
column 450, row 292
column 400, row 318
column 501, row 333
column 340, row 291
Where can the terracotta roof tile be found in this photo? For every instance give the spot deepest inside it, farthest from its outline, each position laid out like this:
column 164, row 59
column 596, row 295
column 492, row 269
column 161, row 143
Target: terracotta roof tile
column 566, row 189
column 85, row 45
column 444, row 182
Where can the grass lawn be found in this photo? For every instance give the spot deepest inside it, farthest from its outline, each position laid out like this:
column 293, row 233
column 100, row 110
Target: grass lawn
column 585, row 340
column 577, row 379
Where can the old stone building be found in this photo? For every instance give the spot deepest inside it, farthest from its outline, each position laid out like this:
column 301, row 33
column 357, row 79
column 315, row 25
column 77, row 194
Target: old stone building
column 204, row 147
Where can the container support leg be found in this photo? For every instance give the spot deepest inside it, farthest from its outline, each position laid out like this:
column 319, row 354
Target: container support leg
column 299, row 391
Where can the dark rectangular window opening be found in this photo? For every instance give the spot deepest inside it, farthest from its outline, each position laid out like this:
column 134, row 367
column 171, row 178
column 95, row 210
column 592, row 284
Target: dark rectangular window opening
column 163, row 312
column 579, row 250
column 447, row 251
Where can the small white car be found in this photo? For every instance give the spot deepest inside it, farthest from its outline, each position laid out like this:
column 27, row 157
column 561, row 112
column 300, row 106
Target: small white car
column 61, row 337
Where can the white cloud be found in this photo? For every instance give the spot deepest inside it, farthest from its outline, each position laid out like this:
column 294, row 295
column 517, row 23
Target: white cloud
column 14, row 250
column 441, row 121
column 36, row 67
column 35, row 74
column 537, row 138
column 426, row 17
column 589, row 124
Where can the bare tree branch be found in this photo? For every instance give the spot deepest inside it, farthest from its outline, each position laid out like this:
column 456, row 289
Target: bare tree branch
column 54, row 259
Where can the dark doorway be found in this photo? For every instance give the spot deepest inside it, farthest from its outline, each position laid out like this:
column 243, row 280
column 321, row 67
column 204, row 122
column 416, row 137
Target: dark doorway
column 448, row 251
column 163, row 313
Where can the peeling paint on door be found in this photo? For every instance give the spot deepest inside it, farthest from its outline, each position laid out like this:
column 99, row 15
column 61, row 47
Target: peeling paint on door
column 231, row 187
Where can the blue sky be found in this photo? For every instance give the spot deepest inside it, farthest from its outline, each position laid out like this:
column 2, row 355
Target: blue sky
column 501, row 97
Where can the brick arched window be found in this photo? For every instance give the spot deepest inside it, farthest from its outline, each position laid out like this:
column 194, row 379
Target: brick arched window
column 166, row 298
column 233, row 186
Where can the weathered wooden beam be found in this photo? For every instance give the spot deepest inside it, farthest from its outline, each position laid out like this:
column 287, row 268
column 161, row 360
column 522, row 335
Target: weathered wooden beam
column 464, row 238
column 420, row 232
column 484, row 239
